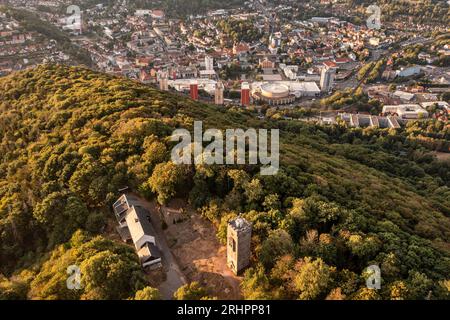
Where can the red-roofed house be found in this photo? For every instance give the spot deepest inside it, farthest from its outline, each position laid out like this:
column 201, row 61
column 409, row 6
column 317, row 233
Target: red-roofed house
column 240, row 48
column 342, row 60
column 330, row 64
column 157, row 14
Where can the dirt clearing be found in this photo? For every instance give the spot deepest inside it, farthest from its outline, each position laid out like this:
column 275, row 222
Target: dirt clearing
column 200, row 255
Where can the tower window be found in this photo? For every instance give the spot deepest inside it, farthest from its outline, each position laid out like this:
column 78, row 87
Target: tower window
column 232, row 243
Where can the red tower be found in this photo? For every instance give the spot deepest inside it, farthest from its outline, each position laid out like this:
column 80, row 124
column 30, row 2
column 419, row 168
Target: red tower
column 194, row 91
column 245, row 94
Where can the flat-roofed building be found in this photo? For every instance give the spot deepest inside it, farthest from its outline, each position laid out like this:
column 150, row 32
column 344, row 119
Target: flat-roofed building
column 366, row 120
column 406, row 111
column 272, row 77
column 441, row 104
column 407, row 96
column 409, row 71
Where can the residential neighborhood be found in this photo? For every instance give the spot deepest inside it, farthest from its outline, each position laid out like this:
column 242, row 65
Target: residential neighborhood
column 284, row 60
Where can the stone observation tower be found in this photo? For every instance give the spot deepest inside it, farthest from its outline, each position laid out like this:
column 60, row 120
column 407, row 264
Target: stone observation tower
column 239, row 234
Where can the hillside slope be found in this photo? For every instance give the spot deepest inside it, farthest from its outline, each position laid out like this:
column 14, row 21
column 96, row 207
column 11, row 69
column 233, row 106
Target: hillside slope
column 343, row 199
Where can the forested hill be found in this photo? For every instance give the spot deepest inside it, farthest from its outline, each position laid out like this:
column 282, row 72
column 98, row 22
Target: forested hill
column 344, row 198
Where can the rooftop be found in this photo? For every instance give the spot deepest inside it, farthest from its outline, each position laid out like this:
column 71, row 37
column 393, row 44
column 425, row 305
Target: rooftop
column 240, row 224
column 149, row 252
column 138, row 222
